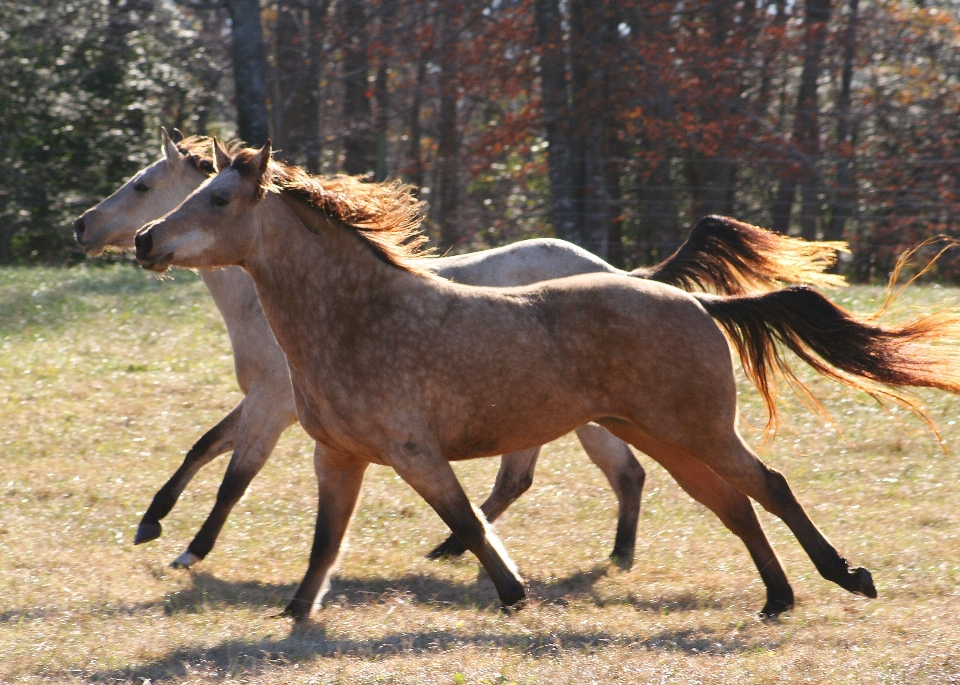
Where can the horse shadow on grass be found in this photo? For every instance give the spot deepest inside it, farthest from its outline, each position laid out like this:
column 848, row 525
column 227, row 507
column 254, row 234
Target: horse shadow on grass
column 207, row 592
column 210, row 592
column 312, row 641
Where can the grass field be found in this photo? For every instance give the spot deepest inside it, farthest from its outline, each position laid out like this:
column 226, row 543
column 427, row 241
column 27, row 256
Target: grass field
column 107, row 376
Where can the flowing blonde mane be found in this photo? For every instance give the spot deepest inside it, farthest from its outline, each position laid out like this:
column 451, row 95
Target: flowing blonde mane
column 386, row 216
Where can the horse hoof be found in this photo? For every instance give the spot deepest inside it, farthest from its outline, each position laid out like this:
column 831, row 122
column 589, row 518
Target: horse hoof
column 622, row 560
column 448, row 549
column 775, row 607
column 147, row 531
column 185, row 560
column 514, row 595
column 863, row 583
column 296, row 611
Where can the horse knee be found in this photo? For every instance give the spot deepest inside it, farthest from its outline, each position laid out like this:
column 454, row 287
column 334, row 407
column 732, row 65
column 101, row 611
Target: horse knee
column 629, row 482
column 523, row 483
column 635, row 474
column 232, row 488
column 513, row 484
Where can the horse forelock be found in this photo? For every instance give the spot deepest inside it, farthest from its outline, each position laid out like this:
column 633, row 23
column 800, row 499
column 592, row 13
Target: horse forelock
column 387, row 216
column 196, row 150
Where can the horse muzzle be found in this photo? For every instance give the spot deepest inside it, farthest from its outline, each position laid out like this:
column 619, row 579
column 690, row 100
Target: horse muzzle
column 81, row 233
column 152, row 262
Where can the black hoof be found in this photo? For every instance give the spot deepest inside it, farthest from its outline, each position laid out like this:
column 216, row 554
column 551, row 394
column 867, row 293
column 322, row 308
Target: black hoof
column 622, row 559
column 779, row 600
column 512, row 595
column 147, row 531
column 448, row 549
column 775, row 607
column 298, row 611
column 863, row 583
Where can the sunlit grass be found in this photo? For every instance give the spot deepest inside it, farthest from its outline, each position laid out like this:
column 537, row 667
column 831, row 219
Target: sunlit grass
column 109, row 375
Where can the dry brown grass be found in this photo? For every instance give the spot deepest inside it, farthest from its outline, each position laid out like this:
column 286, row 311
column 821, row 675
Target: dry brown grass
column 108, row 376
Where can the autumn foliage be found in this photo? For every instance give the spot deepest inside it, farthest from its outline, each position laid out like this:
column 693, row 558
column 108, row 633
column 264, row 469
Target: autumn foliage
column 615, row 124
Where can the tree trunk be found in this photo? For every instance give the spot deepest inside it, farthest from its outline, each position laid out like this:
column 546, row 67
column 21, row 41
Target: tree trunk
column 313, row 144
column 770, row 52
column 448, row 182
column 845, row 199
column 614, row 170
column 658, row 214
column 211, row 23
column 357, row 113
column 806, row 128
column 381, row 92
column 554, row 97
column 249, row 62
column 592, row 43
column 415, row 164
column 713, row 175
column 381, row 96
column 287, row 104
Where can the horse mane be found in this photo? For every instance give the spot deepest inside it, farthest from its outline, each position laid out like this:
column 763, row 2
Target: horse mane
column 386, row 216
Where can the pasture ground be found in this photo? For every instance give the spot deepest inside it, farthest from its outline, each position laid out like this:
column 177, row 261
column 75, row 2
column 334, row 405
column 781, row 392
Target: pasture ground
column 108, row 375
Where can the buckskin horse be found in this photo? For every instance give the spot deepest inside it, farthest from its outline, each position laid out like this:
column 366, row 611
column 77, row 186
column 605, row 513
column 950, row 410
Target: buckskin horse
column 722, row 254
column 392, row 365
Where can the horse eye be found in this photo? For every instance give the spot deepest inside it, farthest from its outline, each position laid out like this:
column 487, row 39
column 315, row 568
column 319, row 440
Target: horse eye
column 219, row 200
column 141, row 187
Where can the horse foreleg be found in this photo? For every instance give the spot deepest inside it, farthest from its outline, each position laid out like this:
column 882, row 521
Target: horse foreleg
column 513, row 479
column 626, row 477
column 732, row 507
column 214, row 442
column 434, row 480
column 339, row 478
column 257, row 436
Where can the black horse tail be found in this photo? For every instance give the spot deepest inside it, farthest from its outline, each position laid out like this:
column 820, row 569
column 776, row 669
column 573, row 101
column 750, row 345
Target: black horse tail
column 859, row 352
column 731, row 257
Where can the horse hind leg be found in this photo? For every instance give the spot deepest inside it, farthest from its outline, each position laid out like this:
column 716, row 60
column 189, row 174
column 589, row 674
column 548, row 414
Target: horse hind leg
column 514, row 478
column 626, row 477
column 735, row 463
column 732, row 507
column 211, row 445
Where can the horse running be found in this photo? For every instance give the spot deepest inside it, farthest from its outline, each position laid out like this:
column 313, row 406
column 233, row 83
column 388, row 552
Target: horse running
column 723, row 254
column 392, row 365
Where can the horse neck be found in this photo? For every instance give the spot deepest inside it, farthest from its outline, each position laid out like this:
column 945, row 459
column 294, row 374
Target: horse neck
column 232, row 291
column 312, row 281
column 235, row 295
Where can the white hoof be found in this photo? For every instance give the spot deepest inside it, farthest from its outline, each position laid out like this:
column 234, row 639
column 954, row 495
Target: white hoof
column 185, row 560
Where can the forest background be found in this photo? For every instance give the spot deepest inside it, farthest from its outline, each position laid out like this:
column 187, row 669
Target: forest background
column 611, row 123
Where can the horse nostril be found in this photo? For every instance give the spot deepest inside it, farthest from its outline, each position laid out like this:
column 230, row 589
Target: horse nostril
column 79, row 226
column 144, row 243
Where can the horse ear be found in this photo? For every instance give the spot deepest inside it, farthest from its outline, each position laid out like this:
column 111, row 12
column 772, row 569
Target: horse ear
column 170, row 151
column 260, row 160
column 221, row 158
column 177, row 135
